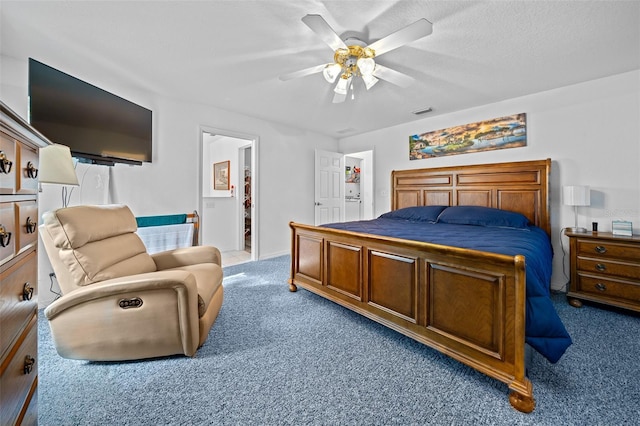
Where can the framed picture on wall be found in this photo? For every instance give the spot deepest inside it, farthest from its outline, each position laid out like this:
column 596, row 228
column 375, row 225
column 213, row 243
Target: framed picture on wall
column 221, row 176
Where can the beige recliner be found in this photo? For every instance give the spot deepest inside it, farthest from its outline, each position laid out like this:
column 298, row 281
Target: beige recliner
column 118, row 302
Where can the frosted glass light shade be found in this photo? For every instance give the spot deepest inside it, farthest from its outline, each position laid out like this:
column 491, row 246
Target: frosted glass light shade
column 369, row 81
column 56, row 165
column 366, row 66
column 576, row 195
column 331, row 72
column 342, row 86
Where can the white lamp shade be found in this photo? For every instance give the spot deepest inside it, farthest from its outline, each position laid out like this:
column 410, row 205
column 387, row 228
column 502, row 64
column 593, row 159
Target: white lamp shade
column 576, row 195
column 56, row 165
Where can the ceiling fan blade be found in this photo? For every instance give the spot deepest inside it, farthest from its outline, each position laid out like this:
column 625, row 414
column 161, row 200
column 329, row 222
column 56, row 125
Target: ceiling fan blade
column 302, row 73
column 393, row 76
column 411, row 32
column 322, row 29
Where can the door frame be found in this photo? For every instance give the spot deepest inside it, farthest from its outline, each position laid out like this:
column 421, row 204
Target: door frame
column 252, row 140
column 240, row 196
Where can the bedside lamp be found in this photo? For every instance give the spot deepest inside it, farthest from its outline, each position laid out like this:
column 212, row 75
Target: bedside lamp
column 576, row 196
column 56, row 166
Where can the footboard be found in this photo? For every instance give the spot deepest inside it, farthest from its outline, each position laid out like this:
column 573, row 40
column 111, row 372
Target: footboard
column 464, row 303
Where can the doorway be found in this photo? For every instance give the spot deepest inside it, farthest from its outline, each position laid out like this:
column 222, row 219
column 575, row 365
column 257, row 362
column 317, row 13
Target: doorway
column 362, row 189
column 228, row 205
column 343, row 186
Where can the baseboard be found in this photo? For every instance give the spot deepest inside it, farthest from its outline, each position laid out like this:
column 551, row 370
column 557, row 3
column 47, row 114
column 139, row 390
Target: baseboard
column 272, row 255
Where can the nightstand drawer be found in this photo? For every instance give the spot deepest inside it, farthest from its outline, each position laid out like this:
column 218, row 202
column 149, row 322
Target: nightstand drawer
column 608, row 249
column 609, row 288
column 609, row 267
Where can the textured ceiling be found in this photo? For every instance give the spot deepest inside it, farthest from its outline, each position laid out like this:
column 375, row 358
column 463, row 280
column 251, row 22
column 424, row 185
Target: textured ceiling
column 229, row 54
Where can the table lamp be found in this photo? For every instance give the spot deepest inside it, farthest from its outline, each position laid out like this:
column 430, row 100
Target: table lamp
column 56, row 166
column 576, row 195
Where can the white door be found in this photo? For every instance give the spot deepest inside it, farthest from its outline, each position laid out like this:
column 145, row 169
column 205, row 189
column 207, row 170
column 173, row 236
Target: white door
column 329, row 187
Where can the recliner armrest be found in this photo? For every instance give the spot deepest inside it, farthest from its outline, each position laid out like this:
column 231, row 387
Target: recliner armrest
column 177, row 280
column 135, row 317
column 187, row 256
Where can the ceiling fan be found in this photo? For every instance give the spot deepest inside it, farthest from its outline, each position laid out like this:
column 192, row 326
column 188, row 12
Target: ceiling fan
column 354, row 58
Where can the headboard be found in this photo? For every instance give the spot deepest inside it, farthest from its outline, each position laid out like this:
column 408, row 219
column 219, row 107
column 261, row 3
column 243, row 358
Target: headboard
column 521, row 187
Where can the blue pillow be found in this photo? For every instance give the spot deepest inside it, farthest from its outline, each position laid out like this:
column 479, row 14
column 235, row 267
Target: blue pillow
column 416, row 214
column 482, row 216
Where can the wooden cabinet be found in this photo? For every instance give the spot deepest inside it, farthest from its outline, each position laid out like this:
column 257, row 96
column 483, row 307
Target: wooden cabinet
column 19, row 145
column 604, row 269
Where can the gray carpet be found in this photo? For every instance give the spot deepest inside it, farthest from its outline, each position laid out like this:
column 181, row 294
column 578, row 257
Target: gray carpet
column 275, row 357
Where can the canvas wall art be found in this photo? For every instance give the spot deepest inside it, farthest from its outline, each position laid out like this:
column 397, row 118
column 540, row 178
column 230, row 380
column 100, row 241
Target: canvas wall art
column 497, row 133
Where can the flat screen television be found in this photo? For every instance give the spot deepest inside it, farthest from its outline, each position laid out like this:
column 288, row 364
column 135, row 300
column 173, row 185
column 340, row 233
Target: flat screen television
column 96, row 125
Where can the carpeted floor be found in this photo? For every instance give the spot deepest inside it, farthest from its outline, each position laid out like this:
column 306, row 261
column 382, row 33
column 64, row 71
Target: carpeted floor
column 275, row 357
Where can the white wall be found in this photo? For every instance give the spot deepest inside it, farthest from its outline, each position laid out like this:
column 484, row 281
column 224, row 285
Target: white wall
column 591, row 132
column 170, row 183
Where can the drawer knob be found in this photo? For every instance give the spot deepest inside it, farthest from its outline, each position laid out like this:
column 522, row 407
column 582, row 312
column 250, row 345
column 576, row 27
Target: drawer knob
column 32, row 172
column 29, row 361
column 5, row 164
column 27, row 291
column 5, row 237
column 31, row 226
column 601, row 249
column 600, row 287
column 601, row 267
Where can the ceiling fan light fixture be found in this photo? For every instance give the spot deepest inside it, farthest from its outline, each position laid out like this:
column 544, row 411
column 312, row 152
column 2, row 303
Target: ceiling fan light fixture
column 331, row 72
column 355, row 58
column 366, row 66
column 369, row 80
column 343, row 85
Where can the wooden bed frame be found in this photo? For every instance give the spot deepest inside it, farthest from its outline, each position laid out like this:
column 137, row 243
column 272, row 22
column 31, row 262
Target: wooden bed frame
column 465, row 303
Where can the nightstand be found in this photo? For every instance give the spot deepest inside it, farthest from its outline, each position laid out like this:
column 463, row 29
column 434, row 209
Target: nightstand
column 604, row 269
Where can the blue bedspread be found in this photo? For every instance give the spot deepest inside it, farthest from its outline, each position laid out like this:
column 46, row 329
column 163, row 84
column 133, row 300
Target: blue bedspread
column 544, row 329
